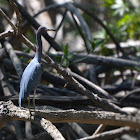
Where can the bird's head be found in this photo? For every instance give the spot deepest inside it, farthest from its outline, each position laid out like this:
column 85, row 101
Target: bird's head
column 44, row 29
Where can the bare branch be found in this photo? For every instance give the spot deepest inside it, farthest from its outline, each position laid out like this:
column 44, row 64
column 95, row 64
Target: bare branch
column 100, row 129
column 19, row 20
column 6, row 34
column 40, row 117
column 4, row 83
column 91, row 117
column 64, row 15
column 8, row 20
column 112, row 134
column 71, row 7
column 101, row 60
column 82, row 35
column 28, row 130
column 76, row 127
column 14, row 58
column 8, row 90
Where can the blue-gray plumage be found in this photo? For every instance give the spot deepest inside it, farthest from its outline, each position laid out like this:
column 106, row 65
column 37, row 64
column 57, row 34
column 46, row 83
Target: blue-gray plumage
column 33, row 71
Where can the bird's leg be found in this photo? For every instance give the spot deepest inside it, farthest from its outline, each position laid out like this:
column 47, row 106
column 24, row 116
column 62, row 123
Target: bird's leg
column 29, row 106
column 34, row 100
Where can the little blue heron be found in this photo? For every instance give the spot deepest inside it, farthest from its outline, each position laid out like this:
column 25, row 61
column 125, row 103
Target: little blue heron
column 33, row 71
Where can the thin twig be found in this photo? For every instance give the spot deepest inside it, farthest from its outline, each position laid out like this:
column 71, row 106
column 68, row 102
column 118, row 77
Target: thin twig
column 100, row 129
column 19, row 20
column 112, row 134
column 94, row 88
column 84, row 25
column 6, row 34
column 135, row 91
column 8, row 20
column 50, row 7
column 64, row 15
column 82, row 35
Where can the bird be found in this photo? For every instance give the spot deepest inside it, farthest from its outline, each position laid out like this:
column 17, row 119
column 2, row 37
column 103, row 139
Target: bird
column 32, row 73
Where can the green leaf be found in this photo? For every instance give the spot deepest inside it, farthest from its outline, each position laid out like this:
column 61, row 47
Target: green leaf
column 65, row 49
column 79, row 60
column 105, row 51
column 93, row 44
column 70, row 56
column 100, row 42
column 64, row 62
column 58, row 58
column 27, row 50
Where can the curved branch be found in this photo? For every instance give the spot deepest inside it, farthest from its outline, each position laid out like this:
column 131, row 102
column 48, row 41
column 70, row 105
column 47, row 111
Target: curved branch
column 84, row 25
column 19, row 23
column 60, row 24
column 80, row 31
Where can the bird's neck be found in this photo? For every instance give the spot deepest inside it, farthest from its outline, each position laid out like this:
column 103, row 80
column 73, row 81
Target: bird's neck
column 39, row 47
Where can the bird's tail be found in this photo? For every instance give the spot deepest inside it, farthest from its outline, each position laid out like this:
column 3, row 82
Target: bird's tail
column 19, row 102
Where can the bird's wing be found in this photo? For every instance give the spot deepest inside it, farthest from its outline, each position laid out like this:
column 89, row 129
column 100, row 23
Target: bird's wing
column 30, row 79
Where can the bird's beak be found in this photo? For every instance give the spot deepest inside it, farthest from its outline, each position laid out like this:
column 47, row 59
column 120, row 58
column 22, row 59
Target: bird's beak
column 50, row 30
